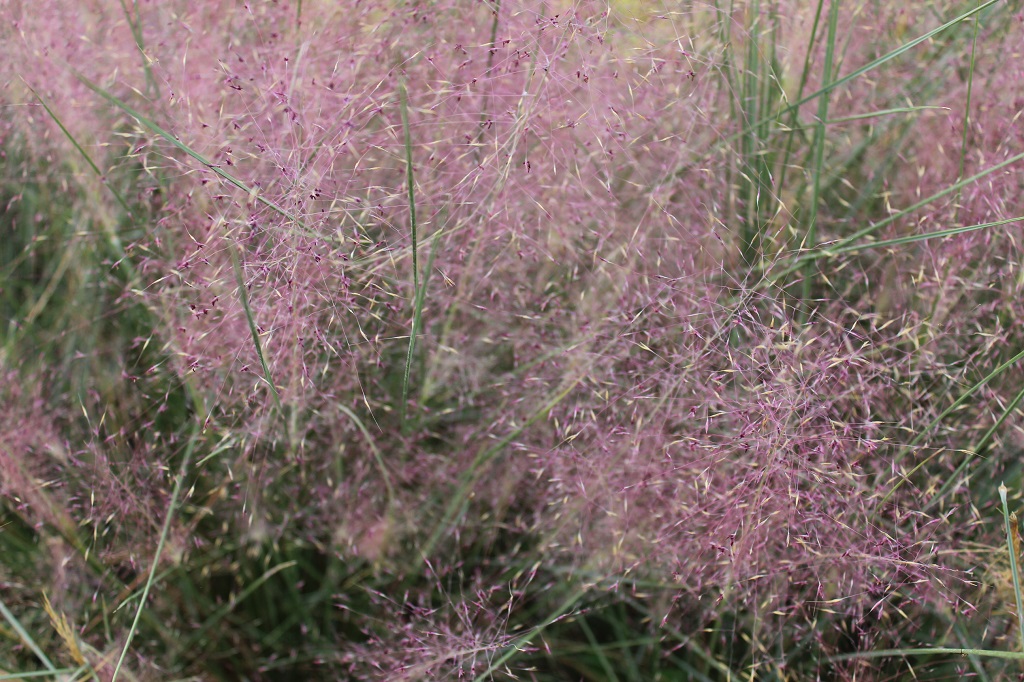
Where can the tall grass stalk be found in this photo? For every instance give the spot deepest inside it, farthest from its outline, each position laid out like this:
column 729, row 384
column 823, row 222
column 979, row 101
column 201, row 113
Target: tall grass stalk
column 967, row 100
column 1013, row 548
column 417, row 297
column 254, row 331
column 818, row 146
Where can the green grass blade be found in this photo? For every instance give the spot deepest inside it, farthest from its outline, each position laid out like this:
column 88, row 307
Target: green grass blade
column 243, row 296
column 871, row 66
column 928, row 651
column 979, row 669
column 26, row 638
column 794, row 112
column 857, row 73
column 1011, row 526
column 882, row 112
column 968, row 393
column 85, row 155
column 171, row 508
column 811, row 235
column 210, row 165
column 514, row 648
column 73, row 674
column 967, row 103
column 975, row 450
column 417, row 298
column 945, row 413
column 475, row 470
column 385, row 474
column 820, row 252
column 598, row 652
column 909, row 239
column 227, row 608
column 136, row 27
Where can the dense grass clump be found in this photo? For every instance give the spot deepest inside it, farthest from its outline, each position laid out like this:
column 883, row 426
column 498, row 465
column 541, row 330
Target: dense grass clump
column 510, row 340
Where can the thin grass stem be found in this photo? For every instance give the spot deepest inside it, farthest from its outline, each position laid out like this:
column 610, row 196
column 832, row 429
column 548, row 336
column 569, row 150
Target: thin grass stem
column 417, row 297
column 1012, row 533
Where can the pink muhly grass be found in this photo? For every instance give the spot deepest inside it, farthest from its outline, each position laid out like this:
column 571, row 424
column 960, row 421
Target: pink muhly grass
column 610, row 385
